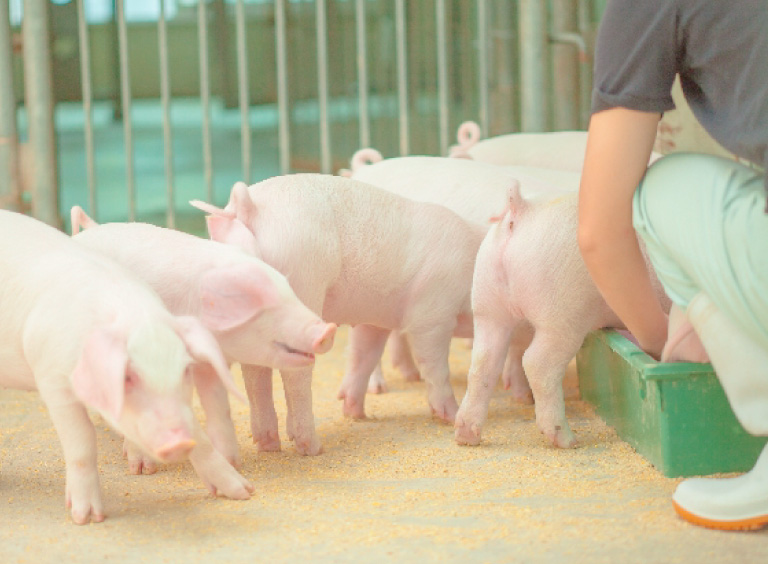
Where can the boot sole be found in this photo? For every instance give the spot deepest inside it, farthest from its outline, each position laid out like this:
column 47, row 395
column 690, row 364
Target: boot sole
column 750, row 524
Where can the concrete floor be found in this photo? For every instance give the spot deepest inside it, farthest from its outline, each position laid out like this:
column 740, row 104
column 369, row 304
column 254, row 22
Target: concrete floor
column 393, row 488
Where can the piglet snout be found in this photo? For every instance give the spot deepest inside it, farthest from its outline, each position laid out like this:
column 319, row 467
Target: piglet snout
column 324, row 340
column 177, row 446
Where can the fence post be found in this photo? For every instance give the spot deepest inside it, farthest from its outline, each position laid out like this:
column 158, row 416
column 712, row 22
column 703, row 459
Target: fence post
column 566, row 74
column 10, row 190
column 534, row 66
column 39, row 103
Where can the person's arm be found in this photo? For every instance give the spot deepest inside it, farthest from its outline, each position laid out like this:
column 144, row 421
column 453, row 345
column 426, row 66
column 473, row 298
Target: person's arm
column 618, row 147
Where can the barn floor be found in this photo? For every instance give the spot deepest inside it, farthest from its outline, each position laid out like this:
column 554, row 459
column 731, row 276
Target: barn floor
column 394, row 488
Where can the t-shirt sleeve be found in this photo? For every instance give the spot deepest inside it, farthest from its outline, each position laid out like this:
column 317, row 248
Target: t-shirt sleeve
column 636, row 56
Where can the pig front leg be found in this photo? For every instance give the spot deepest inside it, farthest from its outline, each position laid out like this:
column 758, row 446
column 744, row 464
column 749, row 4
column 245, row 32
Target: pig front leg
column 366, row 343
column 488, row 353
column 218, row 418
column 258, row 386
column 300, row 422
column 431, row 348
column 402, row 359
column 513, row 377
column 78, row 441
column 545, row 362
column 218, row 475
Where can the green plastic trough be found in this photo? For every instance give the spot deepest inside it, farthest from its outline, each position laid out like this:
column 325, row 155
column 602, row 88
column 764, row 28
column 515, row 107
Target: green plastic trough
column 674, row 414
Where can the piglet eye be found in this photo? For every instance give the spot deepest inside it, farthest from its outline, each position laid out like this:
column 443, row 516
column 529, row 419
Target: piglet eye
column 511, row 224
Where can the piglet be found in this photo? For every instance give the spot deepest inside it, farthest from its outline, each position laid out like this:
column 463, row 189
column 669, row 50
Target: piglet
column 247, row 305
column 530, row 275
column 361, row 256
column 87, row 333
column 561, row 150
column 473, row 190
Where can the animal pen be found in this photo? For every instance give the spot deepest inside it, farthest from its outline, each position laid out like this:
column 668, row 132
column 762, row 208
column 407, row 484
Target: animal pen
column 133, row 108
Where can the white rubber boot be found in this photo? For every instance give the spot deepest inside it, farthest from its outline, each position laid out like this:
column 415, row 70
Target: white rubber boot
column 737, row 504
column 742, row 366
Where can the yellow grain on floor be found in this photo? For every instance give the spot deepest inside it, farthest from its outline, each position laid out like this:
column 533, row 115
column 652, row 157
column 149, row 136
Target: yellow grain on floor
column 393, row 488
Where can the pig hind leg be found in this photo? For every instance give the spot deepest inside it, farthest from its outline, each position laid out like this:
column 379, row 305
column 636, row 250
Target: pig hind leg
column 366, row 343
column 513, row 376
column 488, row 352
column 545, row 362
column 431, row 348
column 402, row 359
column 377, row 384
column 258, row 386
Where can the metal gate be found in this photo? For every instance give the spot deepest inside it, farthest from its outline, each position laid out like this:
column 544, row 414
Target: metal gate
column 131, row 116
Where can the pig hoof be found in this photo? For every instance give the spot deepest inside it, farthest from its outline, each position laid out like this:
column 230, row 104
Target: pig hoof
column 412, row 376
column 377, row 388
column 353, row 409
column 523, row 398
column 445, row 412
column 467, row 435
column 562, row 438
column 85, row 517
column 139, row 467
column 268, row 442
column 309, row 448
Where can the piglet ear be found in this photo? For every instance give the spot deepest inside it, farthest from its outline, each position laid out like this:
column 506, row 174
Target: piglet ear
column 233, row 295
column 99, row 377
column 683, row 344
column 233, row 232
column 203, row 347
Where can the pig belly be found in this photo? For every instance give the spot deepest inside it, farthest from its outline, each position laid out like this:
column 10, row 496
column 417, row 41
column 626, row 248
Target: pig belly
column 15, row 372
column 349, row 309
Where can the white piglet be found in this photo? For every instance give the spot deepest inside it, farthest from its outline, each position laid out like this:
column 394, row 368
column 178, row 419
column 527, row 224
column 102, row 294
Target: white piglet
column 360, row 256
column 475, row 191
column 559, row 150
column 247, row 305
column 530, row 274
column 86, row 333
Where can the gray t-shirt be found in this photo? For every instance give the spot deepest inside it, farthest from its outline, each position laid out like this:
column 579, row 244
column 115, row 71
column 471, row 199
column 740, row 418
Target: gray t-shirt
column 718, row 47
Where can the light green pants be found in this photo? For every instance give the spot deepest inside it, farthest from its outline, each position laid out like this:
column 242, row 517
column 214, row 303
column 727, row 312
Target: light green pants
column 702, row 219
column 703, row 222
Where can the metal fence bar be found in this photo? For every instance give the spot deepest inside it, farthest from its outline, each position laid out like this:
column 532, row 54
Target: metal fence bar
column 282, row 88
column 362, row 75
column 584, row 24
column 442, row 74
column 565, row 78
column 402, row 76
column 242, row 78
column 205, row 96
column 533, row 65
column 85, row 82
column 165, row 99
column 125, row 102
column 10, row 196
column 322, row 86
column 482, row 65
column 39, row 102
